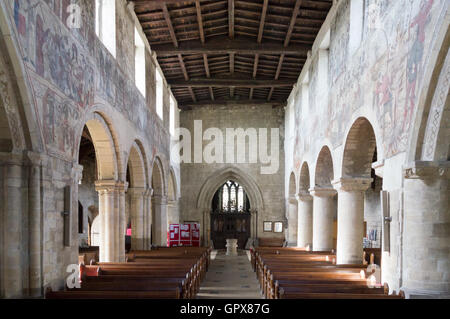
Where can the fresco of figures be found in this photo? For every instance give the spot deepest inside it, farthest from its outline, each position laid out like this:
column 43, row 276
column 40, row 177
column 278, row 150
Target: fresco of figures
column 71, row 71
column 384, row 74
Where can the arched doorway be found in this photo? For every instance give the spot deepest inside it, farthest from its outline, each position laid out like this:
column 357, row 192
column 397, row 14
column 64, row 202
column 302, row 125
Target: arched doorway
column 230, row 215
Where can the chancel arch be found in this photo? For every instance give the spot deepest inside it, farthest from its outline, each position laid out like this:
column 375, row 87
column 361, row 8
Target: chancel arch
column 213, row 183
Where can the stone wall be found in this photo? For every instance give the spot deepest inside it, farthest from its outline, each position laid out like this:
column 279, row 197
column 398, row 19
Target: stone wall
column 195, row 175
column 53, row 80
column 388, row 79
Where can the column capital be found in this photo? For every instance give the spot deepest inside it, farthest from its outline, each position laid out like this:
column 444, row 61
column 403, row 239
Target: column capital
column 322, row 192
column 36, row 159
column 106, row 185
column 304, row 196
column 148, row 192
column 11, row 158
column 427, row 169
column 160, row 199
column 136, row 191
column 292, row 199
column 352, row 184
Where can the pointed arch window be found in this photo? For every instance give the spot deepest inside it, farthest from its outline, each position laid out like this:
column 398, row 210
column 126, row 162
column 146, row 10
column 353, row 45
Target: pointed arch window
column 232, row 198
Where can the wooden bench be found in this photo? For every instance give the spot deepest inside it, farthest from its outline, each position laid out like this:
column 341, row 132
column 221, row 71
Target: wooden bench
column 79, row 294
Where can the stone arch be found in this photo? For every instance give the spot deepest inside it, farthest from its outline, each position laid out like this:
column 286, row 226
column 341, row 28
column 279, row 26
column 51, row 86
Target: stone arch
column 137, row 214
column 172, row 199
column 324, row 173
column 6, row 142
column 16, row 91
column 172, row 187
column 359, row 149
column 433, row 103
column 292, row 211
column 137, row 165
column 105, row 146
column 217, row 179
column 157, row 180
column 304, row 180
column 159, row 204
column 292, row 185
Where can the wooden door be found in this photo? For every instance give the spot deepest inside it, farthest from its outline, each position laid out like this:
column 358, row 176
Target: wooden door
column 230, row 225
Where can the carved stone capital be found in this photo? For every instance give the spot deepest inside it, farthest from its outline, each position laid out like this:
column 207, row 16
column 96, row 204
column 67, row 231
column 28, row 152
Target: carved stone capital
column 136, row 191
column 160, row 199
column 36, row 159
column 105, row 186
column 322, row 192
column 357, row 184
column 11, row 158
column 304, row 196
column 427, row 169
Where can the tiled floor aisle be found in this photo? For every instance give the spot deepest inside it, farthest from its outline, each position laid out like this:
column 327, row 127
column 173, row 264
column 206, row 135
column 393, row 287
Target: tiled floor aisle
column 229, row 277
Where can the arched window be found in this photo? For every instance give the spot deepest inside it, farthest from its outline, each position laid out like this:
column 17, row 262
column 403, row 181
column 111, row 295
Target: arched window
column 231, row 198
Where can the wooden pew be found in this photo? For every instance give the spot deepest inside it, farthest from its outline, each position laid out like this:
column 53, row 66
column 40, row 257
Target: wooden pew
column 79, row 294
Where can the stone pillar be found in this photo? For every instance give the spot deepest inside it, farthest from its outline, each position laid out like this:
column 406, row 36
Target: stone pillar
column 160, row 220
column 206, row 227
column 35, row 222
column 122, row 188
column 107, row 213
column 147, row 230
column 324, row 209
column 137, row 217
column 350, row 219
column 426, row 236
column 305, row 220
column 172, row 212
column 13, row 203
column 254, row 224
column 292, row 222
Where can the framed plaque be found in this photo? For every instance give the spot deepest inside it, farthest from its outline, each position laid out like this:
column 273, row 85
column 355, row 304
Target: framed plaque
column 267, row 226
column 278, row 227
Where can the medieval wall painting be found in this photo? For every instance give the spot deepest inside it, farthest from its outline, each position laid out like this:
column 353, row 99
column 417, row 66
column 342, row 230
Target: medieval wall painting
column 384, row 75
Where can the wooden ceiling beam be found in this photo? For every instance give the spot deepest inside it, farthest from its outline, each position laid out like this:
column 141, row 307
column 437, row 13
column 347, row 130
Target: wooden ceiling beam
column 200, row 21
column 231, row 81
column 226, row 46
column 275, row 103
column 169, row 24
column 231, row 19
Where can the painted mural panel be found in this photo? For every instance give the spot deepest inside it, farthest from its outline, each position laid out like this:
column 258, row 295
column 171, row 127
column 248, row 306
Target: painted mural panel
column 384, row 75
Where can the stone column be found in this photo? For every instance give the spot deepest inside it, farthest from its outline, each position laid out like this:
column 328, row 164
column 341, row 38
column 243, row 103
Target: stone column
column 160, row 220
column 137, row 217
column 147, row 231
column 122, row 188
column 254, row 224
column 13, row 204
column 172, row 212
column 292, row 222
column 426, row 235
column 35, row 221
column 305, row 220
column 350, row 219
column 107, row 210
column 324, row 209
column 206, row 227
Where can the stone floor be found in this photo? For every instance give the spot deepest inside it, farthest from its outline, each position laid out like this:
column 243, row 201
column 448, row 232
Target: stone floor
column 230, row 277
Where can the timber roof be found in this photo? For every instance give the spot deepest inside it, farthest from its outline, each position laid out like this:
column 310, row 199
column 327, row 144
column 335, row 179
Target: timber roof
column 231, row 51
